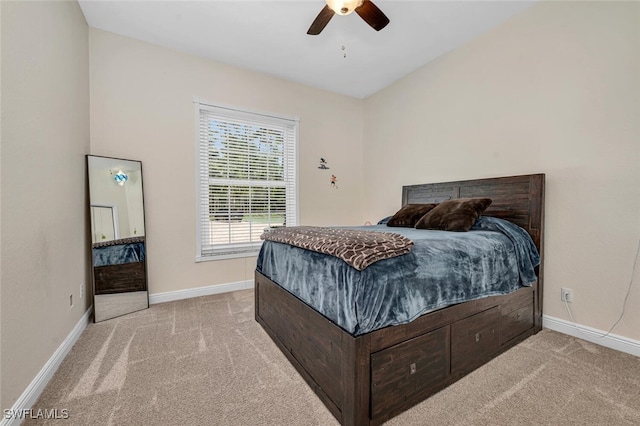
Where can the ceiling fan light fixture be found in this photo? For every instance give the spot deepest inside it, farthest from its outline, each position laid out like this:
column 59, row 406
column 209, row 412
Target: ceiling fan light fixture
column 344, row 7
column 368, row 11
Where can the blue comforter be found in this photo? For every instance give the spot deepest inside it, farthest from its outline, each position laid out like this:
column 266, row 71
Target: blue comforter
column 118, row 254
column 495, row 257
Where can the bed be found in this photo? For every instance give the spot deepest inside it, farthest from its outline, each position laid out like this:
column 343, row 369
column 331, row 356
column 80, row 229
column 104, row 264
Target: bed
column 119, row 265
column 367, row 378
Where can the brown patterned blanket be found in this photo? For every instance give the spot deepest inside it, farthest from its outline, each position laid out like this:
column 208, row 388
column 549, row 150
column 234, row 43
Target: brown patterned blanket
column 129, row 240
column 357, row 248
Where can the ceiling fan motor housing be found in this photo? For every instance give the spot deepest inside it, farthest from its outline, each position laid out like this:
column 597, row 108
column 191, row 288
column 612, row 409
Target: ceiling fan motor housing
column 344, row 7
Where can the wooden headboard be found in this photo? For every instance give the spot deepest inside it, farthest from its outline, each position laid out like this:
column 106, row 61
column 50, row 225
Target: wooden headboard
column 518, row 199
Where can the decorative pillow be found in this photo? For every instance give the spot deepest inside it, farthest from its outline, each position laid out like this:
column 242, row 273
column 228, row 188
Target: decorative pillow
column 454, row 215
column 409, row 214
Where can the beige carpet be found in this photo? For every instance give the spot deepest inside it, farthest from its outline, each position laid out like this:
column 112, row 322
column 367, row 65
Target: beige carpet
column 205, row 361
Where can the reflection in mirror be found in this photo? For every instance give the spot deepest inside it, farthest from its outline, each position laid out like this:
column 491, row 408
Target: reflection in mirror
column 104, row 223
column 118, row 244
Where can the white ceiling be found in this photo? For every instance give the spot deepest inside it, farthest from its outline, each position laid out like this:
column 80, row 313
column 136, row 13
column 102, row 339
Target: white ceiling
column 270, row 36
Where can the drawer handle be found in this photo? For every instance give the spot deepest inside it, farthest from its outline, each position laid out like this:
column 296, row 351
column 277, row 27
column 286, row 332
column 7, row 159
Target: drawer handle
column 477, row 337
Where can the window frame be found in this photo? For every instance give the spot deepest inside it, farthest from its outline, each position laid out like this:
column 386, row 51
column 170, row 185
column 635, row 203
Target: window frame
column 246, row 249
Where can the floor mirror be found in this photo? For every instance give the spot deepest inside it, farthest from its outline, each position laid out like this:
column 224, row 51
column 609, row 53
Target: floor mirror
column 118, row 246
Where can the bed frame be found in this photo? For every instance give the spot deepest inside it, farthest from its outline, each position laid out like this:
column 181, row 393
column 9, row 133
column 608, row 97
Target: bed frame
column 368, row 379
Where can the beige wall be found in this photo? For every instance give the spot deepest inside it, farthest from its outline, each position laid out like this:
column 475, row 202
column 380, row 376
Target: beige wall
column 555, row 90
column 142, row 108
column 45, row 135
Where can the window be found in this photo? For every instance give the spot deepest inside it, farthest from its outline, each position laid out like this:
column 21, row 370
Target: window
column 246, row 179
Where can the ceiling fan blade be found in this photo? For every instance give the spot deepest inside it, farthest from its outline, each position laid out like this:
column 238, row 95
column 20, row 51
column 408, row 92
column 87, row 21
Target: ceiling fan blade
column 321, row 21
column 372, row 15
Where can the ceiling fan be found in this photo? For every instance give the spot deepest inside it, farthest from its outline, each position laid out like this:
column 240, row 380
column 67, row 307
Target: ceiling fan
column 365, row 8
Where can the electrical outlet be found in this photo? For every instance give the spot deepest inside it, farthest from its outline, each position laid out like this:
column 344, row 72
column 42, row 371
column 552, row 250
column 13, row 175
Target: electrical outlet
column 566, row 295
column 81, row 291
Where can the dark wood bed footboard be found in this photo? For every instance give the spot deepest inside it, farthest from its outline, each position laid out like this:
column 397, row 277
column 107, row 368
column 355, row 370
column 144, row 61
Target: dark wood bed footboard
column 366, row 380
column 121, row 278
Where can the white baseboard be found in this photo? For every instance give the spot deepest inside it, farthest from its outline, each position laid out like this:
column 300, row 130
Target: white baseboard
column 199, row 291
column 593, row 335
column 37, row 385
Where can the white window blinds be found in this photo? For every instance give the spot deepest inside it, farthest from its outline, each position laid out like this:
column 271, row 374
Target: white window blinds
column 246, row 179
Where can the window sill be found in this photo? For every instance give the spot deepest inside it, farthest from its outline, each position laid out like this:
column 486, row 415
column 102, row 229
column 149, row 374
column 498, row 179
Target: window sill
column 226, row 256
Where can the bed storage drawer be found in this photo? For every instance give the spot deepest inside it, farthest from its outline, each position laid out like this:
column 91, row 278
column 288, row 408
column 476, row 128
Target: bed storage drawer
column 517, row 317
column 474, row 340
column 408, row 372
column 516, row 322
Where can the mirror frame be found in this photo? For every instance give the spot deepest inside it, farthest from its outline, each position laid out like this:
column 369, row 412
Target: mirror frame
column 126, row 276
